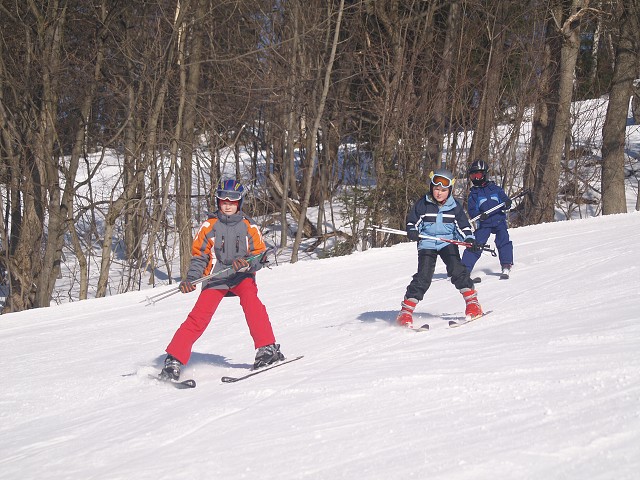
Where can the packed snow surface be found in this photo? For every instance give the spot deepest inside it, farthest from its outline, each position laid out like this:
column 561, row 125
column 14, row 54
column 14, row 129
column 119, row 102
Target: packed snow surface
column 547, row 386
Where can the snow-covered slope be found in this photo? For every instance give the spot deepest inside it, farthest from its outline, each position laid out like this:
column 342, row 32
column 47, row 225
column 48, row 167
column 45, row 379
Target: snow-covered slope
column 545, row 387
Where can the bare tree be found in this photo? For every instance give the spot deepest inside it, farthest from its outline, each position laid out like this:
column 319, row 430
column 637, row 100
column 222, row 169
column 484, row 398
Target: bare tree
column 563, row 43
column 314, row 130
column 34, row 168
column 487, row 114
column 627, row 63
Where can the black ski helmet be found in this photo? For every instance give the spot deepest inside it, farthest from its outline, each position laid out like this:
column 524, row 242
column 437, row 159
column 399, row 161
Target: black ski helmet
column 479, row 166
column 442, row 177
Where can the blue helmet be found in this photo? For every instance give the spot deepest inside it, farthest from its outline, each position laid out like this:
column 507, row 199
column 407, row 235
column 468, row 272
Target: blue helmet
column 230, row 190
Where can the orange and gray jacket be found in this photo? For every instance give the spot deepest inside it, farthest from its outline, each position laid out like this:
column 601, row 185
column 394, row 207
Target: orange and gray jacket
column 220, row 240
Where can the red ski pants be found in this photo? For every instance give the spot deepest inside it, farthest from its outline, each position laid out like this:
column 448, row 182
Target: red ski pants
column 198, row 320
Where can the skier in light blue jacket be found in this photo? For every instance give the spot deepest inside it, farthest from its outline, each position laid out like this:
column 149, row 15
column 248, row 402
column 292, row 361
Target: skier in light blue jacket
column 439, row 214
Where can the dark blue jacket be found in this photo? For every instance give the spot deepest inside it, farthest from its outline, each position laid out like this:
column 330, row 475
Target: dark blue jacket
column 485, row 198
column 447, row 221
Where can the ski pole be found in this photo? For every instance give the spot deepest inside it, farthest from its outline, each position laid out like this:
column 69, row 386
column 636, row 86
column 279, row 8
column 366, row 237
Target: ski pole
column 500, row 205
column 428, row 237
column 485, row 248
column 161, row 296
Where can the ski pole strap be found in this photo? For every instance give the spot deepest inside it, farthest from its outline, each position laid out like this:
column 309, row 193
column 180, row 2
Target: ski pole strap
column 492, row 251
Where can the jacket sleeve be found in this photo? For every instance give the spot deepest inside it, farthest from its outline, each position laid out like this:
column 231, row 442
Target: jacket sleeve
column 472, row 206
column 413, row 217
column 502, row 196
column 201, row 257
column 255, row 245
column 462, row 224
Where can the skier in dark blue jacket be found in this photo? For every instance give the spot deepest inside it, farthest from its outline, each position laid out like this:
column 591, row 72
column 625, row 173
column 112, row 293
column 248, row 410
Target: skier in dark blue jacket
column 485, row 195
column 439, row 215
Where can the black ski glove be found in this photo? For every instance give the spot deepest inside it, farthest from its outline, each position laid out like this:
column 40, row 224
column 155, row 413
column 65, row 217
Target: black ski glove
column 507, row 205
column 474, row 245
column 484, row 216
column 413, row 235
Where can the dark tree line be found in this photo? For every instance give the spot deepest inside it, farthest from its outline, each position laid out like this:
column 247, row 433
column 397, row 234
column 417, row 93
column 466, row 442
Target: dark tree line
column 179, row 87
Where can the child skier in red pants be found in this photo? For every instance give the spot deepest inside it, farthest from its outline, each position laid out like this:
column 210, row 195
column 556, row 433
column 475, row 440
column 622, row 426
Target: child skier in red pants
column 223, row 244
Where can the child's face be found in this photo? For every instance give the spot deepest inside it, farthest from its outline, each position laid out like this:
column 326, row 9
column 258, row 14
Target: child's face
column 440, row 194
column 228, row 207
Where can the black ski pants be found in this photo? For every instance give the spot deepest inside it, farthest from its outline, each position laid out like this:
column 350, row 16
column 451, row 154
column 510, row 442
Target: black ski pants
column 427, row 264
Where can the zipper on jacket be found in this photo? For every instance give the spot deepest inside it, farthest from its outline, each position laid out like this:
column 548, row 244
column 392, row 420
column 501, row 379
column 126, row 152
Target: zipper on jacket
column 222, row 243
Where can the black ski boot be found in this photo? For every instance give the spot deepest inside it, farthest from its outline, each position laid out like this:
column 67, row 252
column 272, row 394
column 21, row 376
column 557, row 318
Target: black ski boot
column 171, row 370
column 267, row 355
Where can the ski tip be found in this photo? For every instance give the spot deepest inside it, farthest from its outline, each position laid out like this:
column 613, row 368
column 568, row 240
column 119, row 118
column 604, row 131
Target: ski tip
column 423, row 328
column 185, row 384
column 476, row 280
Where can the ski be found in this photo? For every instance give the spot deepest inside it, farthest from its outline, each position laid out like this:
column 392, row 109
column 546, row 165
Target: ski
column 423, row 328
column 181, row 385
column 260, row 370
column 465, row 320
column 476, row 280
column 504, row 276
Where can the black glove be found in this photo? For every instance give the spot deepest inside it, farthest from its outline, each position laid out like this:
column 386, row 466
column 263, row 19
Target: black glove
column 484, row 216
column 240, row 265
column 186, row 286
column 474, row 246
column 413, row 235
column 507, row 205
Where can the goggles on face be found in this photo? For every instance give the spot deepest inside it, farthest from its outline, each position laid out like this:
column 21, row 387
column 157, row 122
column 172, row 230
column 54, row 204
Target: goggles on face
column 442, row 181
column 476, row 176
column 230, row 195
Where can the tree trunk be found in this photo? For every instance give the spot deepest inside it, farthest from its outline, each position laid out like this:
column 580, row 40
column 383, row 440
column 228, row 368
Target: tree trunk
column 548, row 169
column 436, row 128
column 151, row 133
column 614, row 129
column 33, row 263
column 481, row 142
column 190, row 79
column 314, row 134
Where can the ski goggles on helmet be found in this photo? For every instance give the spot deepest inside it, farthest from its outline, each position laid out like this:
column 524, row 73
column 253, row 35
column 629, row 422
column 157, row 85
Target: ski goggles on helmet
column 476, row 175
column 442, row 181
column 230, row 195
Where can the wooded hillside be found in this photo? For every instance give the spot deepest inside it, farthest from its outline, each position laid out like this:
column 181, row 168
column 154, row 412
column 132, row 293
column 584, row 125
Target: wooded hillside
column 409, row 85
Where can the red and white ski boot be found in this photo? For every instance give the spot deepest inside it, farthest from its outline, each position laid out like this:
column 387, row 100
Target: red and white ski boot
column 405, row 317
column 473, row 309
